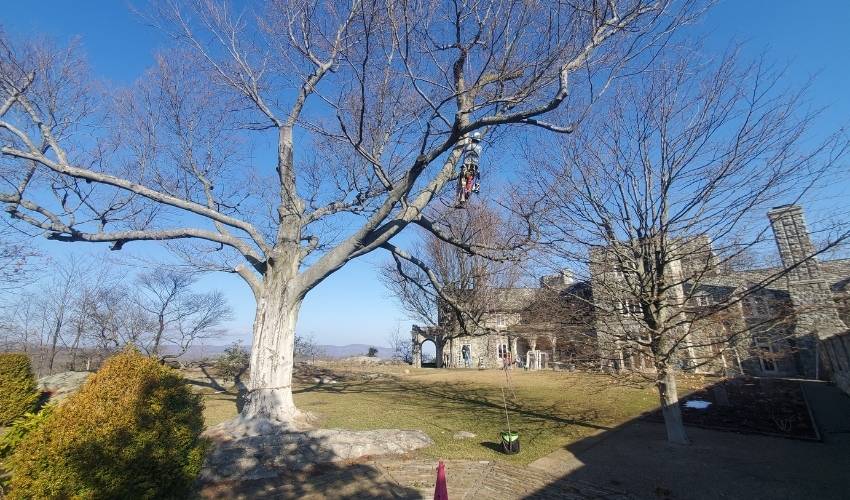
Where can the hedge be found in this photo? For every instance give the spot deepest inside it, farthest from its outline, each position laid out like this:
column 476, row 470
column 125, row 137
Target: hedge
column 132, row 431
column 18, row 389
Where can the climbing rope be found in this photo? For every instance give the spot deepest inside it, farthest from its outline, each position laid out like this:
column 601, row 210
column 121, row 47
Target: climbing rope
column 510, row 439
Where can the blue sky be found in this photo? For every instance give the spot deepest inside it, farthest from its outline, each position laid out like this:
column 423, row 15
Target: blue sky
column 352, row 306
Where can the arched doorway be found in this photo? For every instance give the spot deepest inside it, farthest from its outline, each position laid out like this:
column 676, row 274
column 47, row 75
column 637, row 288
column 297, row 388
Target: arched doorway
column 429, row 354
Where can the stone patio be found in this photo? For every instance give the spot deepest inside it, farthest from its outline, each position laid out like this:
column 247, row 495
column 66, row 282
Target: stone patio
column 413, row 479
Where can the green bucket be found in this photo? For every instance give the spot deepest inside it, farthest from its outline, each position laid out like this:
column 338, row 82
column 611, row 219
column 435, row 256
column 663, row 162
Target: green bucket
column 510, row 442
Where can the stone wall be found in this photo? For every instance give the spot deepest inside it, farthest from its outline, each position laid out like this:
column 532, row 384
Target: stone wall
column 483, row 350
column 836, row 350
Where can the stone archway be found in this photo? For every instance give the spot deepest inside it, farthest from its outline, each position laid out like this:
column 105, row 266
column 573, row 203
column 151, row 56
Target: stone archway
column 420, row 335
column 428, row 351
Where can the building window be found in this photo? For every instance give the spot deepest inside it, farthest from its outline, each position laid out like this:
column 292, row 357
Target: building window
column 767, row 354
column 761, row 307
column 703, row 300
column 757, row 307
column 629, row 306
column 500, row 321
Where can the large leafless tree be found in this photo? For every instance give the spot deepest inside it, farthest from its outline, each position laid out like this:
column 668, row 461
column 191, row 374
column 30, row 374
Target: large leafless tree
column 282, row 143
column 668, row 187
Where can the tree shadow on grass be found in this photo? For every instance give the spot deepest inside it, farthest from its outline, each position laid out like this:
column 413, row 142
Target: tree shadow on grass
column 240, row 393
column 291, row 465
column 460, row 397
column 497, row 447
column 717, row 464
column 211, row 383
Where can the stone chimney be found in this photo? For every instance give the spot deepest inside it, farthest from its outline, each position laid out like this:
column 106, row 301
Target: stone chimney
column 792, row 239
column 563, row 279
column 810, row 294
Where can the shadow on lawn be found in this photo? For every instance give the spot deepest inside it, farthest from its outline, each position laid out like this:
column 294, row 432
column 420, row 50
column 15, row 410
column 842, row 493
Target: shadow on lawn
column 290, row 465
column 717, row 464
column 497, row 447
column 211, row 383
column 460, row 397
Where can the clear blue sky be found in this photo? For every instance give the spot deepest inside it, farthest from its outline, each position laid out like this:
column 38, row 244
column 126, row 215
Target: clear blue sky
column 352, row 306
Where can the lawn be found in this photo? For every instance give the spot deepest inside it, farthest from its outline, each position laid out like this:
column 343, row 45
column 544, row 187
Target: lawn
column 551, row 409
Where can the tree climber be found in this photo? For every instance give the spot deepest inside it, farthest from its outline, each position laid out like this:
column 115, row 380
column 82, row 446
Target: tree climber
column 470, row 178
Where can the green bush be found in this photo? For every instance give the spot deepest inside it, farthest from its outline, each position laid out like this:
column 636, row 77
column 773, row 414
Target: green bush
column 18, row 390
column 132, row 431
column 232, row 363
column 15, row 435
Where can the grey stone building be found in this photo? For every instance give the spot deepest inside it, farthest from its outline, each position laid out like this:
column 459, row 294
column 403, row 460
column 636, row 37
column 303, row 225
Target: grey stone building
column 793, row 317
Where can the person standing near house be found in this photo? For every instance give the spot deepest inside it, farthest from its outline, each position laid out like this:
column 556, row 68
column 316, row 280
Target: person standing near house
column 467, row 357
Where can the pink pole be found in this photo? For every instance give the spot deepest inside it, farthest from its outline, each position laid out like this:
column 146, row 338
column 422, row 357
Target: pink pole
column 441, row 491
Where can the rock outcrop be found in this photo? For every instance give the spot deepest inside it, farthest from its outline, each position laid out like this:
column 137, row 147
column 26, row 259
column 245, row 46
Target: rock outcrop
column 248, row 449
column 61, row 385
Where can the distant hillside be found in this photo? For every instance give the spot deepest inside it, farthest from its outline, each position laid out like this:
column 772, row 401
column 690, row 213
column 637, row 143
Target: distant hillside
column 331, row 351
column 344, row 351
column 198, row 352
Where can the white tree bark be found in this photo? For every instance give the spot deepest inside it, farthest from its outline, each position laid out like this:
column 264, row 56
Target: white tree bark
column 670, row 410
column 272, row 354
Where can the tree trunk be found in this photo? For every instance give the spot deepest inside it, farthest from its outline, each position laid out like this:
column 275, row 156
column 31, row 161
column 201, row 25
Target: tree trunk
column 75, row 347
column 53, row 341
column 666, row 383
column 270, row 384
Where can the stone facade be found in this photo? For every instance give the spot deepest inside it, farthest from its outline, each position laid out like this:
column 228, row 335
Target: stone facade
column 811, row 293
column 795, row 325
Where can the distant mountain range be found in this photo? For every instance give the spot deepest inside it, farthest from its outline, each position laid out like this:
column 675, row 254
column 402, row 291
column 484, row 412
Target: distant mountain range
column 346, row 351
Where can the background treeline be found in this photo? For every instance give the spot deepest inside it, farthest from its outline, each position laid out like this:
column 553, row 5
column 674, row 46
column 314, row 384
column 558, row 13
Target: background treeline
column 71, row 314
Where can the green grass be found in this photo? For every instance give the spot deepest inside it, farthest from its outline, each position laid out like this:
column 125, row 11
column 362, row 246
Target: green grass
column 551, row 410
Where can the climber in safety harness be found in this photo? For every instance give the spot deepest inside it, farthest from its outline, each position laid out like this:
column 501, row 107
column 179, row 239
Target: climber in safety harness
column 470, row 178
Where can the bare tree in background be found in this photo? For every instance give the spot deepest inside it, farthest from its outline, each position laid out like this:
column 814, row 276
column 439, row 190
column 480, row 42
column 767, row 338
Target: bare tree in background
column 18, row 260
column 306, row 348
column 181, row 316
column 401, row 346
column 160, row 294
column 112, row 321
column 57, row 302
column 87, row 311
column 83, row 304
column 20, row 324
column 200, row 316
column 669, row 187
column 442, row 284
column 281, row 144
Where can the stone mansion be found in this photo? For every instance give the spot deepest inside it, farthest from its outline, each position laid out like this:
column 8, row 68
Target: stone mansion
column 795, row 324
